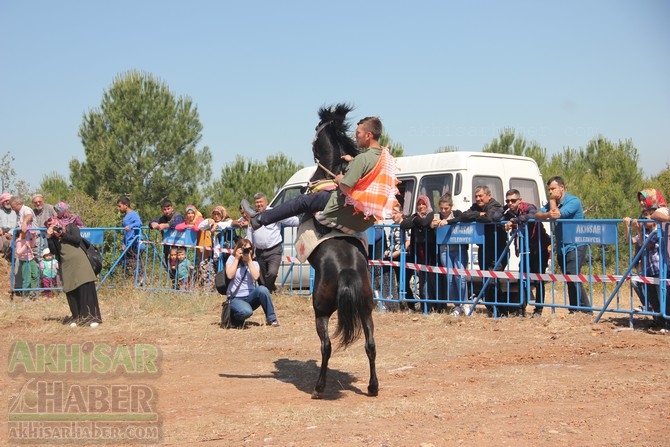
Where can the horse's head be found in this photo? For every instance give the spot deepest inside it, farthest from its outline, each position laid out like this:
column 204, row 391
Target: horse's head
column 331, row 141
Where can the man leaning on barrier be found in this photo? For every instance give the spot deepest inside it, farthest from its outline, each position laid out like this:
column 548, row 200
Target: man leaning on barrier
column 519, row 213
column 167, row 221
column 571, row 257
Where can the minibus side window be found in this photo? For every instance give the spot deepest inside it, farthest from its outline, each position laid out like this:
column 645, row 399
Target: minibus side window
column 286, row 195
column 494, row 183
column 434, row 186
column 528, row 190
column 458, row 184
column 406, row 195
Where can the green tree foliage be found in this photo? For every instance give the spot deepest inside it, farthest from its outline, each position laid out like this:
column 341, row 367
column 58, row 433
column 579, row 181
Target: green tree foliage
column 604, row 175
column 509, row 143
column 396, row 149
column 100, row 213
column 142, row 142
column 662, row 182
column 55, row 188
column 8, row 181
column 244, row 178
column 94, row 213
column 7, row 172
column 444, row 149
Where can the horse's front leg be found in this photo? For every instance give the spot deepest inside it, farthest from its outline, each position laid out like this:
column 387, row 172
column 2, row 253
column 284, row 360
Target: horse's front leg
column 322, row 330
column 371, row 351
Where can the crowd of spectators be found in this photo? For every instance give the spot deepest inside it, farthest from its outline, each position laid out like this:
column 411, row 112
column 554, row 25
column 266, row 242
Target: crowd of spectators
column 38, row 267
column 523, row 222
column 24, row 240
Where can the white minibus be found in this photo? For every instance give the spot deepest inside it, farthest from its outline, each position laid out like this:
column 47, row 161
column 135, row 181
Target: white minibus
column 435, row 174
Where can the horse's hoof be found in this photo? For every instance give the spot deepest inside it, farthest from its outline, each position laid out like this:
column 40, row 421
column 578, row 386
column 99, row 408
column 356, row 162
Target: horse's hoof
column 373, row 393
column 316, row 395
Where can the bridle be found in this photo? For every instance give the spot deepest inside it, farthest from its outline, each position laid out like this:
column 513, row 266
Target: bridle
column 319, row 129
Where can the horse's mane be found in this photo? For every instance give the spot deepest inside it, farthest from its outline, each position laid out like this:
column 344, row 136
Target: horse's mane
column 332, row 140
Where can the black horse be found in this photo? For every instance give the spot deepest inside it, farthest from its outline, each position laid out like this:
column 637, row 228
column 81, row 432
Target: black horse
column 342, row 280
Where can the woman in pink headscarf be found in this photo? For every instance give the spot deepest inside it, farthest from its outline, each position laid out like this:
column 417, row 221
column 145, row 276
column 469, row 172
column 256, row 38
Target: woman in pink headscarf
column 66, row 216
column 192, row 219
column 422, row 248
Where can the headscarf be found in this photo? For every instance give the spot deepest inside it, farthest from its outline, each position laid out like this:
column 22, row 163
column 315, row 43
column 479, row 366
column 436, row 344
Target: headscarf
column 426, row 200
column 5, row 196
column 62, row 207
column 221, row 210
column 198, row 214
column 67, row 216
column 652, row 198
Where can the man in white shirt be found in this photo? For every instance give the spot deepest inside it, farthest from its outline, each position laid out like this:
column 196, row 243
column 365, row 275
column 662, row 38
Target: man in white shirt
column 7, row 223
column 24, row 214
column 268, row 243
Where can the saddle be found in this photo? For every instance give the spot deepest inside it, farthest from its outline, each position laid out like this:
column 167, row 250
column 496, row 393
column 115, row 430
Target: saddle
column 311, row 233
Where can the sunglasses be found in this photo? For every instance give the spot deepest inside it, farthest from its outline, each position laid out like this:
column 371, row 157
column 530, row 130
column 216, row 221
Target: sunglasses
column 511, row 200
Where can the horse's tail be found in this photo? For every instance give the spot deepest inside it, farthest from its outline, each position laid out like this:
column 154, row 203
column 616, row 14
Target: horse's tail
column 351, row 307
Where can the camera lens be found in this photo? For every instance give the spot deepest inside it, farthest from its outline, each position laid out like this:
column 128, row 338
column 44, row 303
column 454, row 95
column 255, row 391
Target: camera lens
column 246, row 251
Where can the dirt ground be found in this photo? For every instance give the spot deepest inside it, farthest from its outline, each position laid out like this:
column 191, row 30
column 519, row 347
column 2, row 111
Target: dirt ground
column 557, row 380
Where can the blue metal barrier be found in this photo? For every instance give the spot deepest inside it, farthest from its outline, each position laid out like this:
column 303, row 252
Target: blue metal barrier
column 145, row 262
column 512, row 286
column 616, row 282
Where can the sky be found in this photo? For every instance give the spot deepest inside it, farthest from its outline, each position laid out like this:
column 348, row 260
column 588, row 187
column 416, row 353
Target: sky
column 438, row 73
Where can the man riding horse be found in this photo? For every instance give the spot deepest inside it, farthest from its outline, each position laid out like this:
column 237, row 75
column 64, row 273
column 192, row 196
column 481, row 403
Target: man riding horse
column 350, row 201
column 359, row 197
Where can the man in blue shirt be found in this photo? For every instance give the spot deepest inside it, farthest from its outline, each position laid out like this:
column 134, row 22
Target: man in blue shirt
column 563, row 205
column 131, row 228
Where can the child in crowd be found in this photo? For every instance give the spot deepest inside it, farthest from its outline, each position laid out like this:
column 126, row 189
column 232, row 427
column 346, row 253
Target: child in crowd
column 27, row 264
column 183, row 269
column 172, row 264
column 49, row 273
column 647, row 237
column 452, row 256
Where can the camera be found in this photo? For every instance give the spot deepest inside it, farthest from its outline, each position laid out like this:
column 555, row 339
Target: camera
column 246, row 251
column 58, row 229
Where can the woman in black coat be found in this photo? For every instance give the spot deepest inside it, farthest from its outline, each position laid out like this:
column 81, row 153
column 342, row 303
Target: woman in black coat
column 422, row 250
column 77, row 273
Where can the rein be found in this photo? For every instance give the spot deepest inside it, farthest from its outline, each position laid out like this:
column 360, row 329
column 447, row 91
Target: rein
column 328, row 171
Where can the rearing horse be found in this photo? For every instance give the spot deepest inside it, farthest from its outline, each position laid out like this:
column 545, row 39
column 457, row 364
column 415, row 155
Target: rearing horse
column 342, row 280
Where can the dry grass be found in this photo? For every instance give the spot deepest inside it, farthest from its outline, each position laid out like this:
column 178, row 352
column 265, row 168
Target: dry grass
column 558, row 380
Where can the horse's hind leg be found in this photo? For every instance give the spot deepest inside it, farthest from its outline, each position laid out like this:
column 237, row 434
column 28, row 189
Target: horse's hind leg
column 371, row 351
column 322, row 330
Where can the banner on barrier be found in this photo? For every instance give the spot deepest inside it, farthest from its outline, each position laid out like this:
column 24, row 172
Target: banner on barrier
column 93, row 235
column 174, row 237
column 461, row 233
column 601, row 233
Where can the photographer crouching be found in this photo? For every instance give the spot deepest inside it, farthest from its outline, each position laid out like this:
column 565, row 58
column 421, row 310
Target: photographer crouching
column 243, row 272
